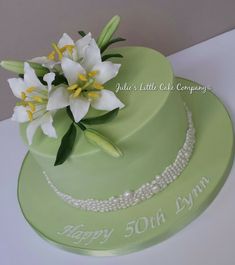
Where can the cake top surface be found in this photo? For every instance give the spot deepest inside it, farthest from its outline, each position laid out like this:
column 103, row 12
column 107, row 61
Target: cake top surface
column 141, row 70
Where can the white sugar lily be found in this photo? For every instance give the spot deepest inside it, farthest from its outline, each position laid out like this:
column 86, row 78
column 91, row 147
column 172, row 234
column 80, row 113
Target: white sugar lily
column 66, row 47
column 86, row 81
column 33, row 105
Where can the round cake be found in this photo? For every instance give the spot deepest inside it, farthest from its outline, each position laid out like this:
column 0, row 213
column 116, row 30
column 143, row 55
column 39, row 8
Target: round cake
column 122, row 154
column 150, row 130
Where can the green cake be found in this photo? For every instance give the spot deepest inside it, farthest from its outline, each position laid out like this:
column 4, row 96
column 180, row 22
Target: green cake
column 151, row 127
column 122, row 154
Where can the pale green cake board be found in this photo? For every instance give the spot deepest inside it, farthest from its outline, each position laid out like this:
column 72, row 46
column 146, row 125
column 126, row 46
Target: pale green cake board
column 152, row 221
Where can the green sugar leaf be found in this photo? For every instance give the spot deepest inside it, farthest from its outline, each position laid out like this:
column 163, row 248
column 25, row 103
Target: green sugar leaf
column 107, row 117
column 59, row 79
column 108, row 31
column 81, row 126
column 66, row 145
column 82, row 33
column 112, row 41
column 70, row 114
column 102, row 142
column 111, row 55
column 18, row 67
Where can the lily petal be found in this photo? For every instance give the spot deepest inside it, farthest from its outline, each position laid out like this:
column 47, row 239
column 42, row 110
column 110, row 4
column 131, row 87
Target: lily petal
column 92, row 56
column 65, row 40
column 41, row 60
column 58, row 98
column 82, row 45
column 106, row 71
column 44, row 61
column 107, row 101
column 49, row 78
column 31, row 78
column 20, row 114
column 79, row 107
column 31, row 129
column 47, row 127
column 17, row 86
column 45, row 122
column 71, row 70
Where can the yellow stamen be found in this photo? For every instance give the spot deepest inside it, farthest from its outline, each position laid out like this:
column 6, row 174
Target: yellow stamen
column 23, row 103
column 58, row 51
column 77, row 92
column 38, row 99
column 72, row 87
column 63, row 49
column 23, row 96
column 92, row 73
column 82, row 77
column 68, row 48
column 93, row 95
column 30, row 89
column 30, row 115
column 97, row 85
column 32, row 106
column 51, row 56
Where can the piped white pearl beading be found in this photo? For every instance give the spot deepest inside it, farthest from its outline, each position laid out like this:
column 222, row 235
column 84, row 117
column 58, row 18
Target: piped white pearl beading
column 146, row 191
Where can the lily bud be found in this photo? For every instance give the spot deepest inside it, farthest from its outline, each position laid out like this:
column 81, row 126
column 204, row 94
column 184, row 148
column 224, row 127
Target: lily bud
column 18, row 67
column 108, row 31
column 102, row 142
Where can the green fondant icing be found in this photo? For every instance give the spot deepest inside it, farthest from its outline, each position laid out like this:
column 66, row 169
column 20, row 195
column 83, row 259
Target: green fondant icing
column 149, row 130
column 151, row 221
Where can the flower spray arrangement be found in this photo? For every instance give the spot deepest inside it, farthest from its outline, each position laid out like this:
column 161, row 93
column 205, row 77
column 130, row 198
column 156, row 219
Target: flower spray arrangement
column 72, row 76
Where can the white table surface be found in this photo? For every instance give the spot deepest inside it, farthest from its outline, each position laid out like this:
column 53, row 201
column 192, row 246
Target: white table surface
column 210, row 239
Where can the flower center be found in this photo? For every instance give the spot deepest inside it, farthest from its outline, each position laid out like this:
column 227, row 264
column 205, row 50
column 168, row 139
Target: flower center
column 86, row 85
column 34, row 100
column 59, row 51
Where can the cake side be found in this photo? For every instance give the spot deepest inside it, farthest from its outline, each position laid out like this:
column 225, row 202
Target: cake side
column 150, row 130
column 139, row 66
